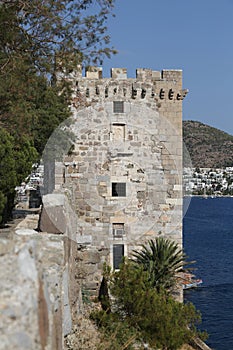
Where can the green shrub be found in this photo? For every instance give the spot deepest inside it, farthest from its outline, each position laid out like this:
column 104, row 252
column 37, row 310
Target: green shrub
column 140, row 314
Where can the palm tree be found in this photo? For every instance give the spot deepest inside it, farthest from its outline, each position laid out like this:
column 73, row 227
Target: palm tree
column 162, row 259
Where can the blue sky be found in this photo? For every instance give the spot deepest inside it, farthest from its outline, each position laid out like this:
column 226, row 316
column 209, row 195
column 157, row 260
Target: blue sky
column 195, row 36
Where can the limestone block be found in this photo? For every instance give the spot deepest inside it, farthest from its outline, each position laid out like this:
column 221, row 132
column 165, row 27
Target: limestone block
column 91, row 256
column 156, row 75
column 164, row 207
column 26, row 263
column 94, row 73
column 174, row 201
column 143, row 74
column 91, row 285
column 53, row 218
column 26, row 231
column 178, row 187
column 66, row 321
column 119, row 73
column 83, row 239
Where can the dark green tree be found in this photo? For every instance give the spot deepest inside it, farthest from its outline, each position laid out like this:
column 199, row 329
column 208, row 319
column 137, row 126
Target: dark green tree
column 2, row 205
column 36, row 38
column 143, row 314
column 29, row 106
column 162, row 259
column 104, row 295
column 8, row 175
column 30, row 109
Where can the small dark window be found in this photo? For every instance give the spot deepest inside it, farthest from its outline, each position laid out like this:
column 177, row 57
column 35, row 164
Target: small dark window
column 106, row 92
column 118, row 189
column 118, row 107
column 118, row 230
column 118, row 254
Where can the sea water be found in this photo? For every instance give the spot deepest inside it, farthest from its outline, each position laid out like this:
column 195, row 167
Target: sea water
column 208, row 239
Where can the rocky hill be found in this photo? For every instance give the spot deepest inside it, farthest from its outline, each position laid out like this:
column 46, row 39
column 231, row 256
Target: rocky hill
column 208, row 147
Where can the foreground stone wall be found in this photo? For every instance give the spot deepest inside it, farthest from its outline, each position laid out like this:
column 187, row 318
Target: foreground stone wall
column 40, row 297
column 44, row 278
column 32, row 268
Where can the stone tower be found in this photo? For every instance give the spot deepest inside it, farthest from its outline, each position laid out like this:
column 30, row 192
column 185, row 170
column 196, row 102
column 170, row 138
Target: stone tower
column 124, row 174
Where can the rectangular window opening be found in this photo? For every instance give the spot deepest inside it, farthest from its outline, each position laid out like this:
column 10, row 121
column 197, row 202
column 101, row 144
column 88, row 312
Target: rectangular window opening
column 118, row 254
column 118, row 107
column 118, row 189
column 118, row 230
column 118, row 132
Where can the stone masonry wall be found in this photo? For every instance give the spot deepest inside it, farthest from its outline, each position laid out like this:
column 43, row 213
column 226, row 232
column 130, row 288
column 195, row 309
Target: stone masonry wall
column 159, row 90
column 32, row 273
column 138, row 145
column 44, row 278
column 40, row 294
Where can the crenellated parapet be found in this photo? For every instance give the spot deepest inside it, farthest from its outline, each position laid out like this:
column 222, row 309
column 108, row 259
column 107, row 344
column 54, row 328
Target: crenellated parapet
column 165, row 85
column 160, row 90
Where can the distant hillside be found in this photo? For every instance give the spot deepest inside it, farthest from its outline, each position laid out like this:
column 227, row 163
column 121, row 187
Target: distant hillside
column 208, row 147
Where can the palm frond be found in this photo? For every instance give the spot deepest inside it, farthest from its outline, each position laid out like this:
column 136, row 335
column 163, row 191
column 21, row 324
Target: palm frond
column 162, row 259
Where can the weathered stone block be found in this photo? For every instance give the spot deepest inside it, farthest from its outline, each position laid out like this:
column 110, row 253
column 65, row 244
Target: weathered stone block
column 94, row 73
column 119, row 73
column 53, row 218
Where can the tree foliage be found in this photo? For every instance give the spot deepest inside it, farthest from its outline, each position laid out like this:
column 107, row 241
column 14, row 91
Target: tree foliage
column 36, row 35
column 8, row 173
column 140, row 314
column 71, row 31
column 30, row 109
column 162, row 259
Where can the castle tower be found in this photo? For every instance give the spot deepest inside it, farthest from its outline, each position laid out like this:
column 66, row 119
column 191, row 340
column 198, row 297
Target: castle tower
column 125, row 168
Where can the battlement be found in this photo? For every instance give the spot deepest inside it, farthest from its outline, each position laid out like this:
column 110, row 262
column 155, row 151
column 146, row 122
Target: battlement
column 162, row 90
column 142, row 74
column 148, row 85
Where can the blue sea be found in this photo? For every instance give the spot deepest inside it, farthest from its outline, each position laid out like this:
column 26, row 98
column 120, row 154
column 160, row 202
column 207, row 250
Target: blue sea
column 208, row 239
